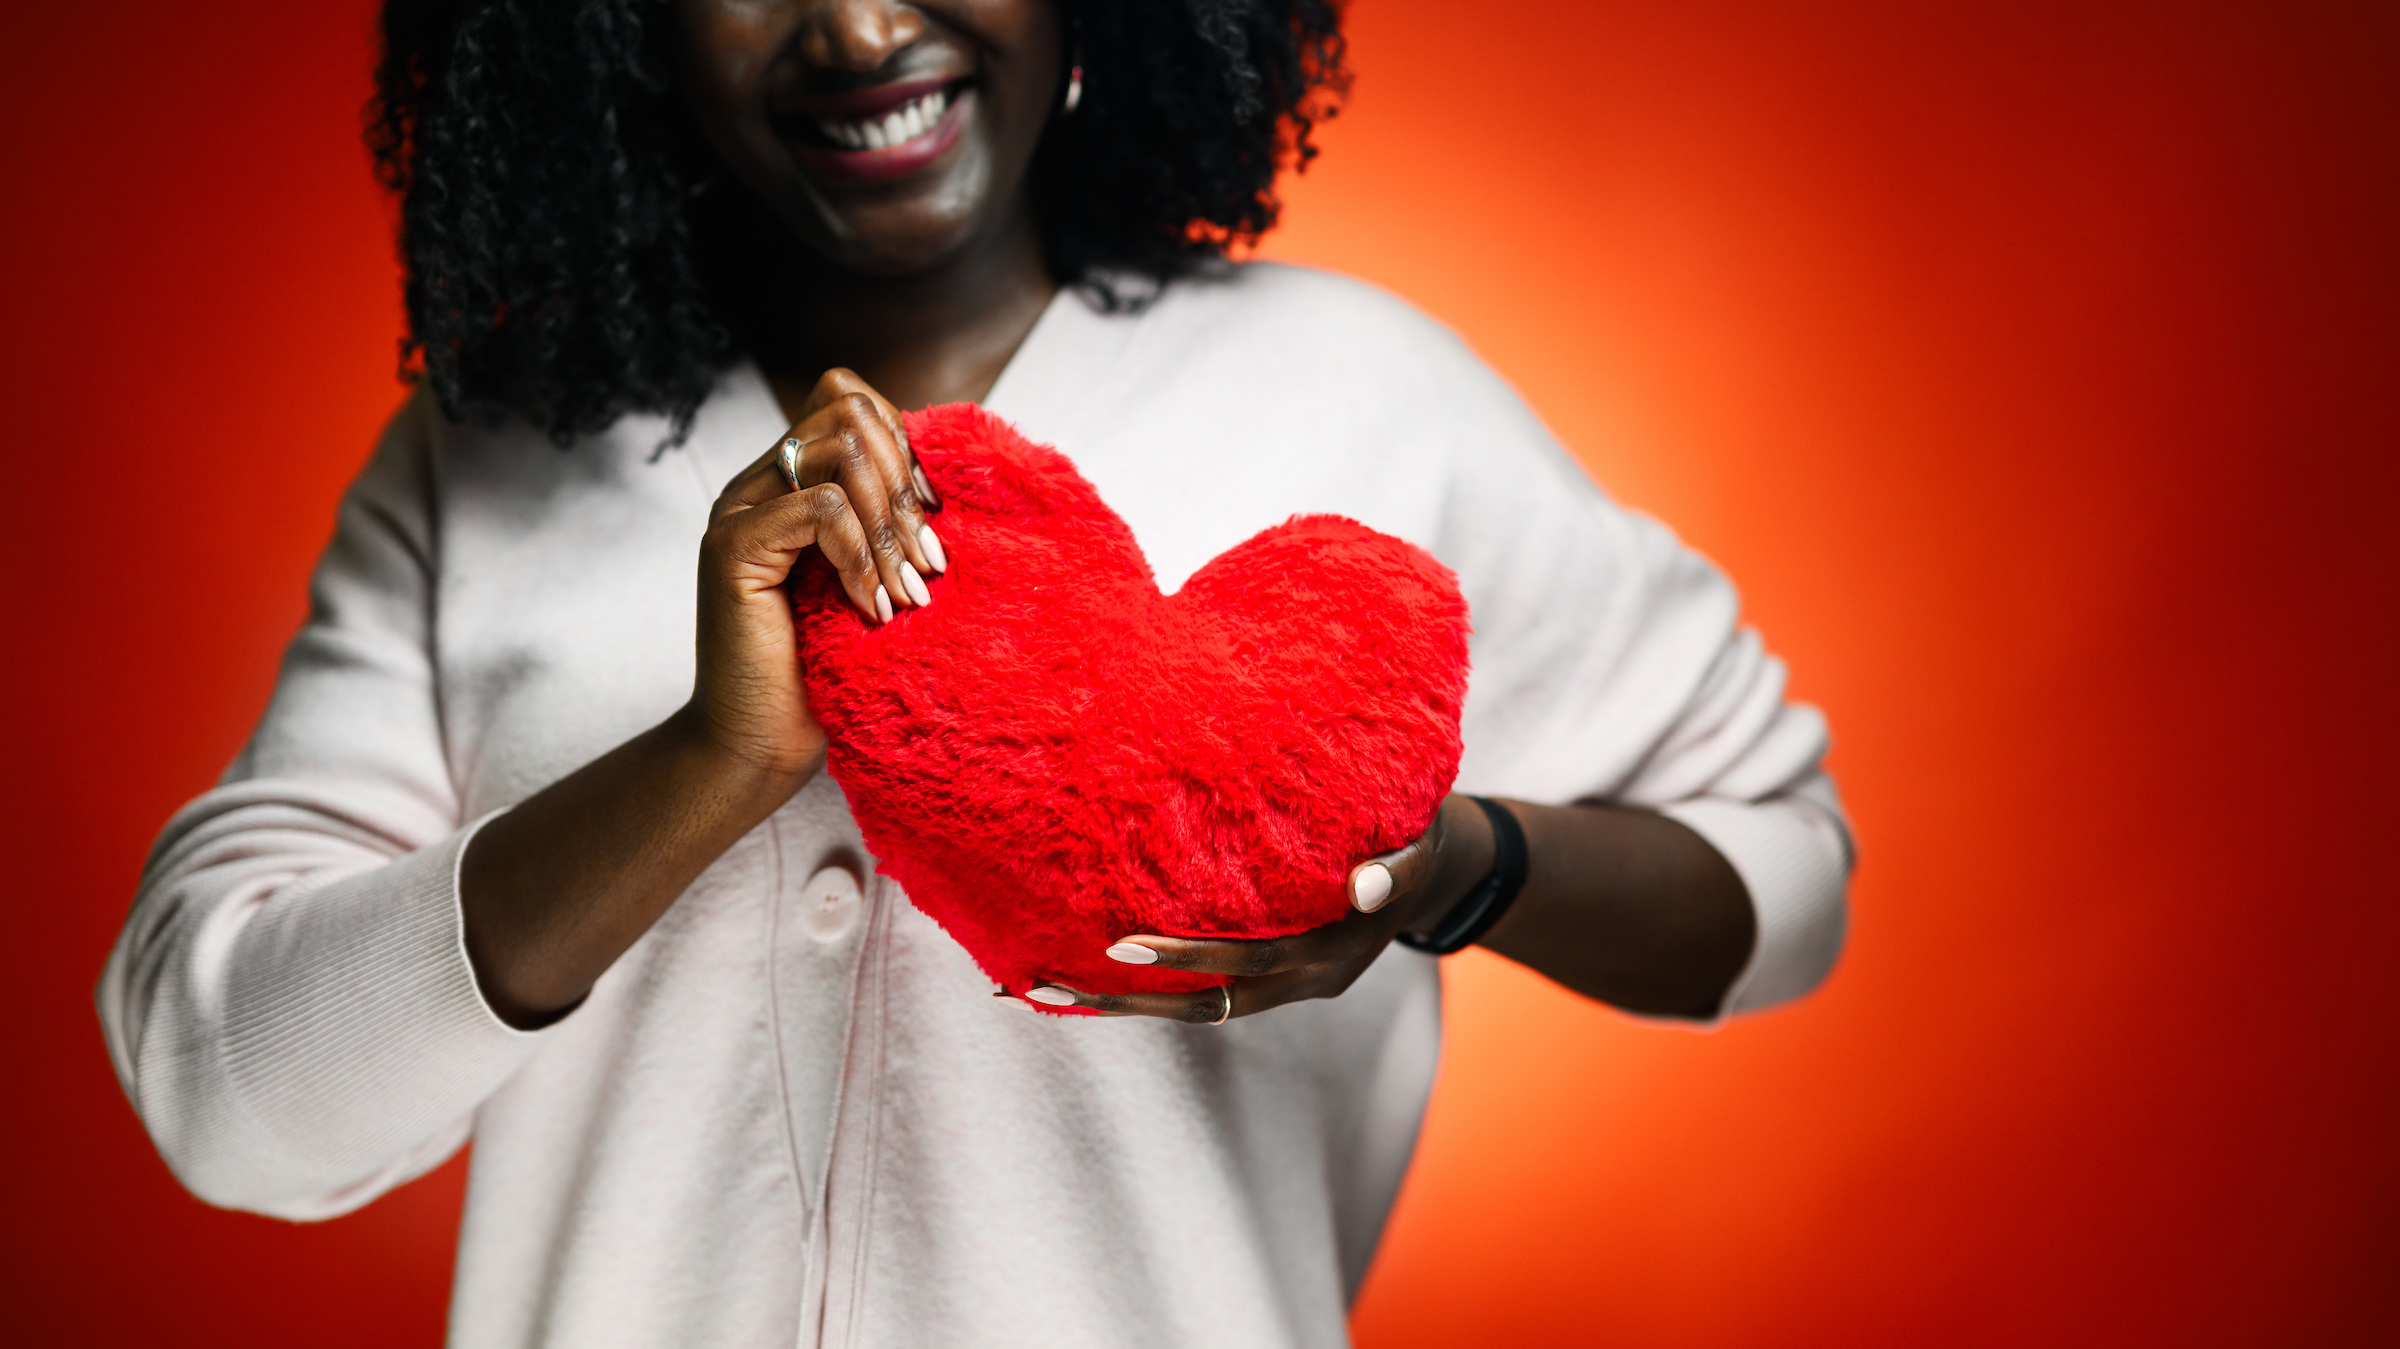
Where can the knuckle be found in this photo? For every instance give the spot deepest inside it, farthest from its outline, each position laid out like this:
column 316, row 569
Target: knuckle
column 1263, row 958
column 828, row 499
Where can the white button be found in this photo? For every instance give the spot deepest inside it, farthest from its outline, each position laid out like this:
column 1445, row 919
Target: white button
column 829, row 904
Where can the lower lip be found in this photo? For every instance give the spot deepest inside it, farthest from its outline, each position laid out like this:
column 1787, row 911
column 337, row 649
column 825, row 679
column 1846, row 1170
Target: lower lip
column 897, row 161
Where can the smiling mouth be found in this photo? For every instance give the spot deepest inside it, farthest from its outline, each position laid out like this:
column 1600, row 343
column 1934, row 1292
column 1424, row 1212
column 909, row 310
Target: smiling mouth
column 876, row 135
column 882, row 133
column 892, row 129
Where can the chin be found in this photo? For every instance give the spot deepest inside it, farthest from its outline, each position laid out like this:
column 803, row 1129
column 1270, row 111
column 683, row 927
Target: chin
column 905, row 234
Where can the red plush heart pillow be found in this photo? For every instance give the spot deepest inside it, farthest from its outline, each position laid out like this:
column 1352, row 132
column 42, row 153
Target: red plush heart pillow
column 1054, row 755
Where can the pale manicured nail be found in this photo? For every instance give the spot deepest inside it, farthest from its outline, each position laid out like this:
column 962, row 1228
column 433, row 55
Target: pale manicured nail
column 883, row 605
column 934, row 556
column 924, row 488
column 1133, row 953
column 1371, row 887
column 914, row 584
column 1049, row 996
column 1013, row 1000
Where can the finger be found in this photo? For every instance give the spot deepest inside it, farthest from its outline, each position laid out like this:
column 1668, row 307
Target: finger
column 1200, row 1009
column 770, row 536
column 1031, row 1003
column 1206, row 1007
column 829, row 448
column 852, row 435
column 1375, row 882
column 838, row 384
column 875, row 466
column 848, row 443
column 1265, row 994
column 841, row 382
column 1245, row 959
column 762, row 479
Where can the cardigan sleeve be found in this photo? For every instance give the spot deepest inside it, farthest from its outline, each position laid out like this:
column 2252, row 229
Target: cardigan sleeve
column 290, row 1006
column 1611, row 665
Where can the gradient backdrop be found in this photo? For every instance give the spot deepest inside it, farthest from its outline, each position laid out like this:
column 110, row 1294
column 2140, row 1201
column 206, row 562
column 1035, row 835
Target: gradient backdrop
column 2032, row 366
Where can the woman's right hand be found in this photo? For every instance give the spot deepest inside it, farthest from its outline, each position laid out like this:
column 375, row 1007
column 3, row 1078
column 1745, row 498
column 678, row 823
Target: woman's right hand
column 860, row 500
column 556, row 888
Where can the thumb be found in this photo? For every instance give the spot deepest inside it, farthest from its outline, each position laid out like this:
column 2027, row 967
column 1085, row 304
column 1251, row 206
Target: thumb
column 1374, row 882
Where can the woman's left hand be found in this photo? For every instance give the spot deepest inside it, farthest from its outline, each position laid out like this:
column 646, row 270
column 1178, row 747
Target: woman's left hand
column 1389, row 895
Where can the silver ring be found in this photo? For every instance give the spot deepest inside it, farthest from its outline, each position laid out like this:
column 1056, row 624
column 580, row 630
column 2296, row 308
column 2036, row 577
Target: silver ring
column 788, row 456
column 1227, row 990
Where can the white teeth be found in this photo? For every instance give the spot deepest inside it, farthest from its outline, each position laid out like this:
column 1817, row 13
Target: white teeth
column 900, row 126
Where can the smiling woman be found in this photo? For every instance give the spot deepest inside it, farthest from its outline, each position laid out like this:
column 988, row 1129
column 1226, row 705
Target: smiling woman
column 633, row 236
column 535, row 845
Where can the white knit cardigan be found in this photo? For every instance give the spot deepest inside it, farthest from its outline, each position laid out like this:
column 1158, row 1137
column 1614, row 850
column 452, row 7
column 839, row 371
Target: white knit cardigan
column 791, row 1114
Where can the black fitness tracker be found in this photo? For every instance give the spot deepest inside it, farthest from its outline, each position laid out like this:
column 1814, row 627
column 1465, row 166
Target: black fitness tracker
column 1474, row 915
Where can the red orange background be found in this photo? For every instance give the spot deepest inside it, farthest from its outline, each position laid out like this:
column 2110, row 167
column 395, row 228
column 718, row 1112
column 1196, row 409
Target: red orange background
column 2031, row 365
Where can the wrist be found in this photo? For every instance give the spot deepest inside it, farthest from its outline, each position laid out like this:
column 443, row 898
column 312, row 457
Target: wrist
column 733, row 764
column 1463, row 858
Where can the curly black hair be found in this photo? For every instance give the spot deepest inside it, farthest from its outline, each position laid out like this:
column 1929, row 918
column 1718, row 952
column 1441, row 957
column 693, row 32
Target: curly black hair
column 562, row 267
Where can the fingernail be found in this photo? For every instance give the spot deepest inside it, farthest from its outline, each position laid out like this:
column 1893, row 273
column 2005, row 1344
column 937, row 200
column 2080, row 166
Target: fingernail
column 934, row 556
column 1133, row 953
column 883, row 605
column 1371, row 887
column 1012, row 1000
column 924, row 487
column 1049, row 996
column 914, row 584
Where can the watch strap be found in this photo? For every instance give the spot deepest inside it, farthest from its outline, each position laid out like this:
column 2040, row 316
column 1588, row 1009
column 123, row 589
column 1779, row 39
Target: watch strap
column 1482, row 906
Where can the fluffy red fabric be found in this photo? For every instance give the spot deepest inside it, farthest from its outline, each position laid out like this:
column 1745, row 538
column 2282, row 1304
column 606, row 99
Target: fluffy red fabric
column 1054, row 755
